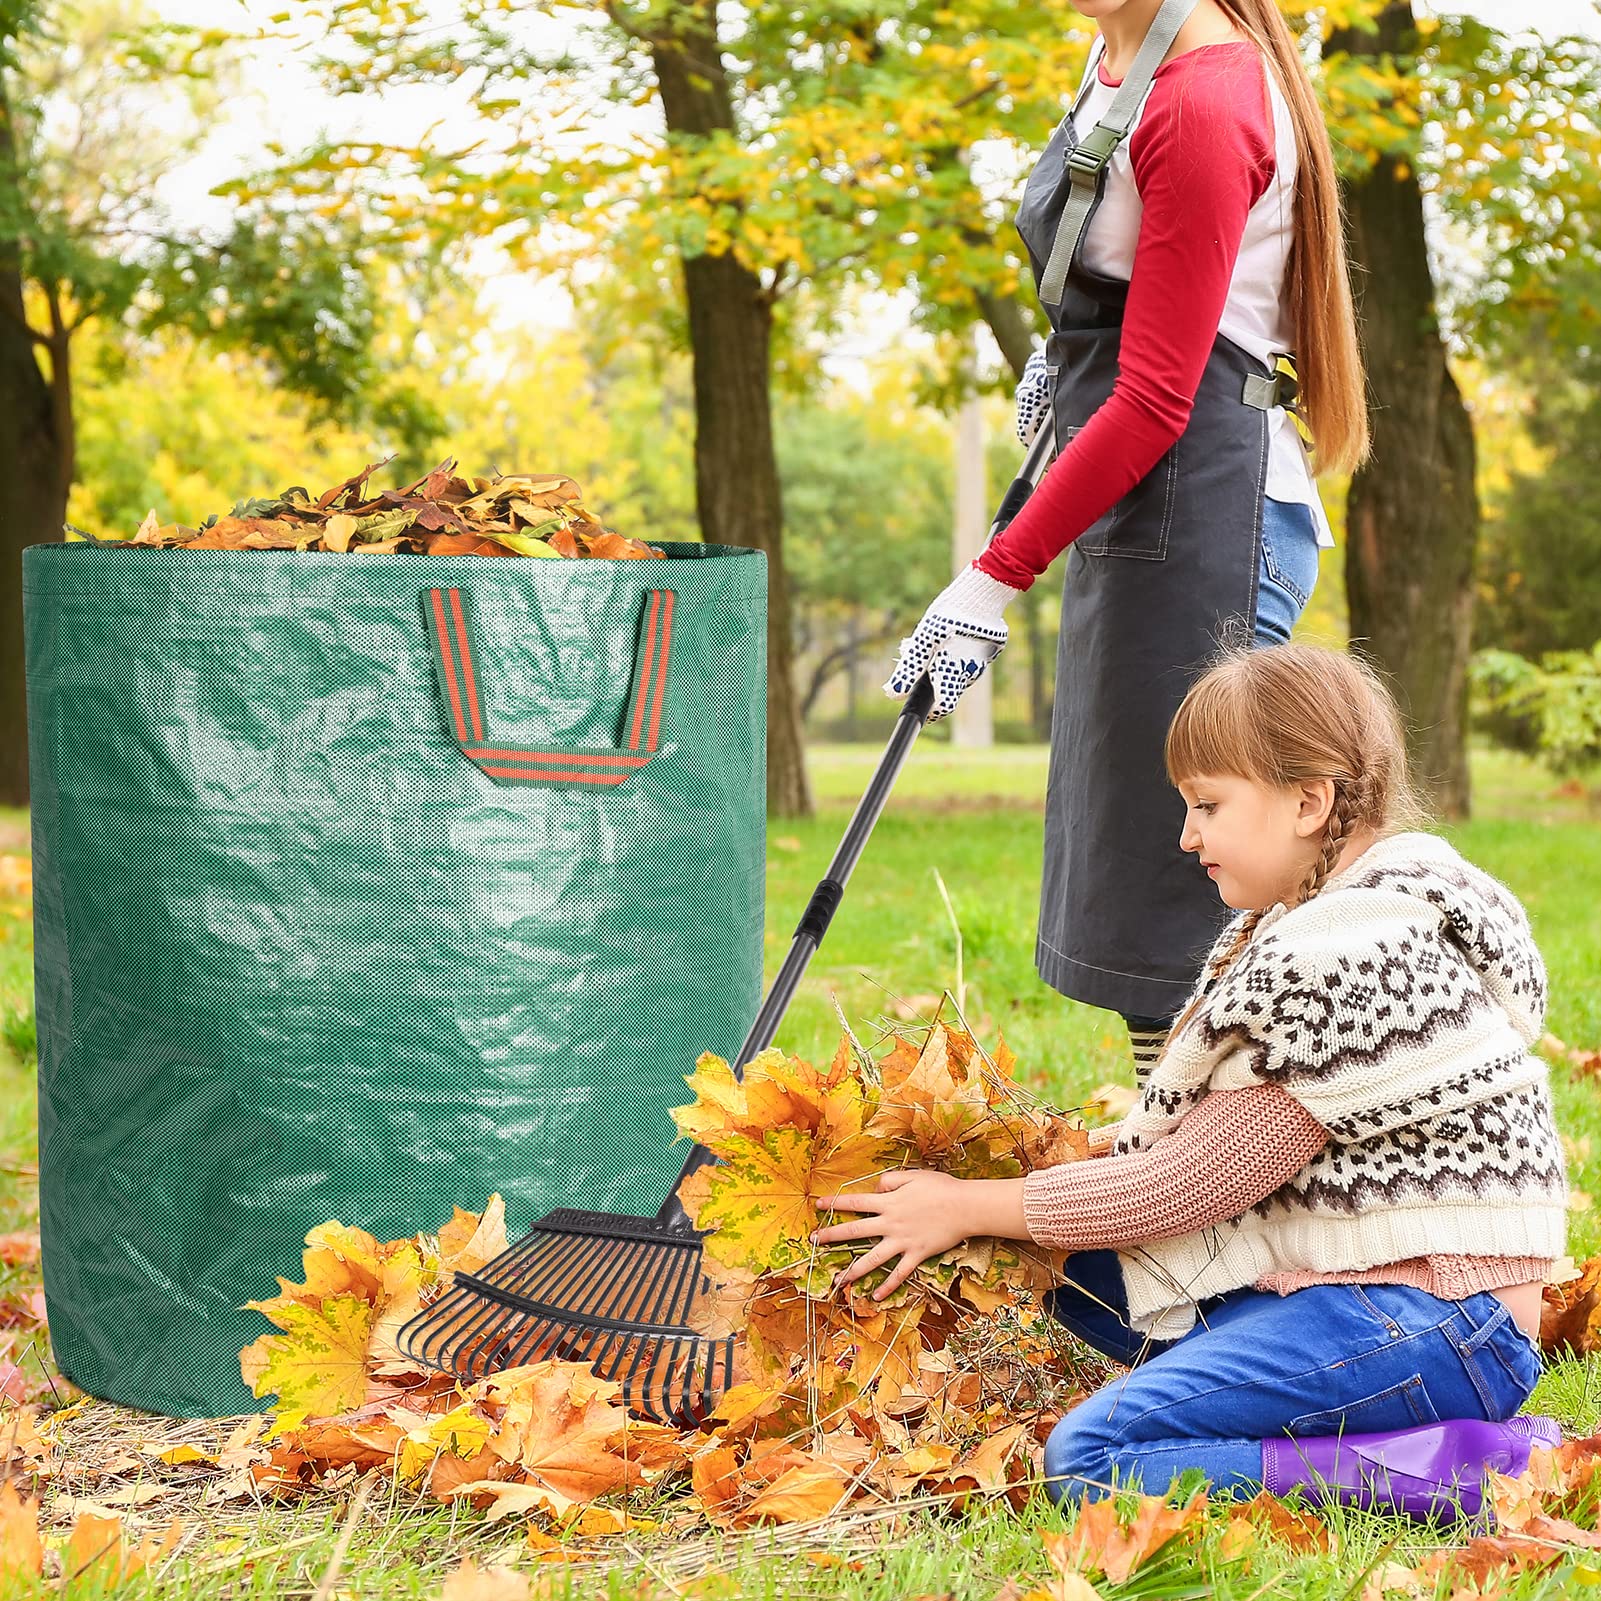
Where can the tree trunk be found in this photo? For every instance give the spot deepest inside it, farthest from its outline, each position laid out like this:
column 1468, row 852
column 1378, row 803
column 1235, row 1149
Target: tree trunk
column 737, row 495
column 1007, row 322
column 1413, row 514
column 35, row 470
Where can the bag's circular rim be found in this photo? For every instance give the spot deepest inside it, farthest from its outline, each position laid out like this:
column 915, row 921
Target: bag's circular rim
column 675, row 550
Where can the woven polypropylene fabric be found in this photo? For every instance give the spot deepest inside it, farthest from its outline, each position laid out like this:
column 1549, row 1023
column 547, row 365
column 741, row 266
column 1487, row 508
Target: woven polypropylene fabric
column 298, row 958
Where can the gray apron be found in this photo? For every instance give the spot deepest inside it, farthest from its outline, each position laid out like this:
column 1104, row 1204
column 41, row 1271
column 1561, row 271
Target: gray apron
column 1126, row 916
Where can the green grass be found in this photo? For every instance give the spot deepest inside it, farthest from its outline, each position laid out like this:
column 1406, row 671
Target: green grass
column 974, row 817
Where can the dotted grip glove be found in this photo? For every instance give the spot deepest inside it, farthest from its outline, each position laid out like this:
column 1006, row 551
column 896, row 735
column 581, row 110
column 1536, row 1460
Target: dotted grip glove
column 1033, row 397
column 959, row 636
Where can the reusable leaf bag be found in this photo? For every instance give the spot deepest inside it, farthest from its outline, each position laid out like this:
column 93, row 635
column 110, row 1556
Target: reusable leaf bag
column 366, row 886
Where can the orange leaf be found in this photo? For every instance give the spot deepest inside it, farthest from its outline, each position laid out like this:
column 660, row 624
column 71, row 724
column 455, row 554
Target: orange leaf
column 1570, row 1318
column 715, row 1477
column 801, row 1494
column 21, row 1553
column 1300, row 1531
column 1098, row 1541
column 20, row 1250
column 472, row 1583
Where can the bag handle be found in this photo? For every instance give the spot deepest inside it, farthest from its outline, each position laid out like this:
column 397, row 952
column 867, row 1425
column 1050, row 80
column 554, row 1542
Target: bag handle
column 458, row 669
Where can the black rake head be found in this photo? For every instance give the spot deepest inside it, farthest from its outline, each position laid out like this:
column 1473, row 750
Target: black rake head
column 615, row 1292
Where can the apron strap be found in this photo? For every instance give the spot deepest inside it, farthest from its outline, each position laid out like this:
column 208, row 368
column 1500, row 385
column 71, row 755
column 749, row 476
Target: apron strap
column 1280, row 389
column 1088, row 158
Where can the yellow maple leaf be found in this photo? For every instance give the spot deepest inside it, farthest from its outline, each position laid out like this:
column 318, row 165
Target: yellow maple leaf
column 318, row 1365
column 719, row 1107
column 760, row 1202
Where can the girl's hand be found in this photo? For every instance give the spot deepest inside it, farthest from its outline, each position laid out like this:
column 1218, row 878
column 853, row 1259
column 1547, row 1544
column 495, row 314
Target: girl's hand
column 916, row 1214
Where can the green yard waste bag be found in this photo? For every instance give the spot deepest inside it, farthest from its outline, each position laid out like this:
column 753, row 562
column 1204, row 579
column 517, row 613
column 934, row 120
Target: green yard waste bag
column 366, row 886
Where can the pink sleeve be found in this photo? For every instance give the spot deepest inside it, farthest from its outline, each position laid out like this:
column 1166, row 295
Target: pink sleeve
column 1234, row 1149
column 1203, row 155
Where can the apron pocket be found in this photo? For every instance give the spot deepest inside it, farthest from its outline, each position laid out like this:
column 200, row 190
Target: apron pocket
column 1137, row 525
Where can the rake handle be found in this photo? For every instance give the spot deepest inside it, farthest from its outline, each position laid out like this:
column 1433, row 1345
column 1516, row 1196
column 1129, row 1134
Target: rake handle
column 830, row 891
column 819, row 913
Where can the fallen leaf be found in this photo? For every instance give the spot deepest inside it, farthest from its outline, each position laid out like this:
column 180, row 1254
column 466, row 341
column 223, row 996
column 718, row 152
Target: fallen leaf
column 801, row 1494
column 318, row 1366
column 471, row 1583
column 1392, row 1578
column 95, row 1551
column 1300, row 1531
column 1100, row 1542
column 1570, row 1316
column 19, row 1250
column 21, row 1552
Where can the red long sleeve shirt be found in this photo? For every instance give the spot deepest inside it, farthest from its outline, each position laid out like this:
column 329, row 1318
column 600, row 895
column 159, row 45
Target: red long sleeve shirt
column 1201, row 156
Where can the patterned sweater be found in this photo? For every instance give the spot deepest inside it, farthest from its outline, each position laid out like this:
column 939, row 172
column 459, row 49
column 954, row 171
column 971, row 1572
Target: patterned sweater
column 1398, row 1007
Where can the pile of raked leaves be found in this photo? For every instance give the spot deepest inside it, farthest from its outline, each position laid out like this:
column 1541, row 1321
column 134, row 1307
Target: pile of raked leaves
column 948, row 1386
column 520, row 514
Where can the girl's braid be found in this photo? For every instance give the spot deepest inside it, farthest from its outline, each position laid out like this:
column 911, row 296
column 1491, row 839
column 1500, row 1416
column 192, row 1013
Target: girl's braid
column 1342, row 817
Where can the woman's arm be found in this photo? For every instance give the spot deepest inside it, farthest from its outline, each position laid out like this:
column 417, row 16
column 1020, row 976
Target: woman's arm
column 1233, row 1150
column 1202, row 155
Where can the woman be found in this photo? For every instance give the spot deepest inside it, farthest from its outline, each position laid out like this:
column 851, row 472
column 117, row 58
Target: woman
column 1183, row 227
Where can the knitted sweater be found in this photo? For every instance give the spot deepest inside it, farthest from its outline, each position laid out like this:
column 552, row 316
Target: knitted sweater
column 1397, row 1006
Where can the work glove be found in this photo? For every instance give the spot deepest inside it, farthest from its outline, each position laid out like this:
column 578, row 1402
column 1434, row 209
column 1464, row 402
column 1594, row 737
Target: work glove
column 1033, row 397
column 960, row 634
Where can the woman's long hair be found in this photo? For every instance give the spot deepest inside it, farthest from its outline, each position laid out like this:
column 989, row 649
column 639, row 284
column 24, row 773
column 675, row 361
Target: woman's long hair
column 1328, row 358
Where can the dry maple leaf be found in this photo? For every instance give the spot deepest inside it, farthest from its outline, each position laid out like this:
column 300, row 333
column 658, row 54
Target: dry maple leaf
column 1570, row 1318
column 803, row 1493
column 96, row 1552
column 566, row 1434
column 1003, row 1463
column 1266, row 1514
column 1100, row 1542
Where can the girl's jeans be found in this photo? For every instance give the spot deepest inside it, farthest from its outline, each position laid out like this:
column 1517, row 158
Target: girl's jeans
column 1330, row 1359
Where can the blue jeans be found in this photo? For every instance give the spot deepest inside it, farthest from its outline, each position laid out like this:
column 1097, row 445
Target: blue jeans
column 1288, row 572
column 1330, row 1359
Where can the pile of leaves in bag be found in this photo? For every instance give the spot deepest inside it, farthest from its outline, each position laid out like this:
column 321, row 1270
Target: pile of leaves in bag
column 440, row 514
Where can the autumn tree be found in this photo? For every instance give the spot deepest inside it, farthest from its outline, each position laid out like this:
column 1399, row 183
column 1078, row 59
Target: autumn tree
column 1446, row 124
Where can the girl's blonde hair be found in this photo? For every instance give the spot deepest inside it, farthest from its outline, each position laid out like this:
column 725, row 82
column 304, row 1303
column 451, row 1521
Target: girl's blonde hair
column 1288, row 713
column 1328, row 358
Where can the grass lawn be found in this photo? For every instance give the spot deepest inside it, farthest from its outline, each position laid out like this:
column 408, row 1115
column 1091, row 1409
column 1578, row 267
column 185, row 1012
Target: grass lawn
column 974, row 818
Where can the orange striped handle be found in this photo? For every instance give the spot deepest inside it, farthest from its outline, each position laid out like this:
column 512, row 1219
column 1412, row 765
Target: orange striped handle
column 459, row 667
